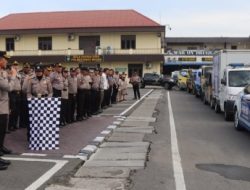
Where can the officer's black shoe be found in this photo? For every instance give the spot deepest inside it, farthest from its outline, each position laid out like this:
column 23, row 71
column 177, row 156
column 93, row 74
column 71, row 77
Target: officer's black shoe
column 3, row 166
column 6, row 150
column 4, row 162
column 1, row 153
column 8, row 132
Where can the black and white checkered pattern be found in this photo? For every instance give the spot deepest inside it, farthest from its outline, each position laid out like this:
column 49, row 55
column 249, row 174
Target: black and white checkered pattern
column 44, row 116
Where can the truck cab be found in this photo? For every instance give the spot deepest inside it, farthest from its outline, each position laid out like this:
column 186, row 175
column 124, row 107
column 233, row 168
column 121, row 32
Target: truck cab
column 235, row 78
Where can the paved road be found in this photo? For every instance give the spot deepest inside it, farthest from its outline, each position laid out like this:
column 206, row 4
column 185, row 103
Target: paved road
column 26, row 170
column 213, row 155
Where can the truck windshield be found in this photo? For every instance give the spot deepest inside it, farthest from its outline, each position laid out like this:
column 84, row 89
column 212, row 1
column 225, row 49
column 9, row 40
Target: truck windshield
column 239, row 78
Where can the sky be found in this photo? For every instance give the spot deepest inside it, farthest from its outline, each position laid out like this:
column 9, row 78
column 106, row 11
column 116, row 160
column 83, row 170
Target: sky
column 187, row 18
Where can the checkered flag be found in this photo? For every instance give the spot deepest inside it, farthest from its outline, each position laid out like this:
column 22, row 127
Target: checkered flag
column 44, row 116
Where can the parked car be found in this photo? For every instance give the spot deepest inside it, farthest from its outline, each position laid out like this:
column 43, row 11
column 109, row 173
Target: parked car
column 182, row 79
column 242, row 109
column 154, row 79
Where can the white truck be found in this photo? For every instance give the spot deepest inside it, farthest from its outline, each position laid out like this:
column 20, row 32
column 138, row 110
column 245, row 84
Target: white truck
column 231, row 73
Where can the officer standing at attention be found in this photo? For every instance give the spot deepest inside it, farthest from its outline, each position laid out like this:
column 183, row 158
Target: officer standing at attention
column 95, row 94
column 72, row 94
column 65, row 96
column 56, row 79
column 39, row 86
column 26, row 75
column 83, row 99
column 6, row 85
column 15, row 100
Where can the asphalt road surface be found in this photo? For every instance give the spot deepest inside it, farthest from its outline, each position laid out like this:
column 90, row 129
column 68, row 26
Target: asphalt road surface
column 213, row 154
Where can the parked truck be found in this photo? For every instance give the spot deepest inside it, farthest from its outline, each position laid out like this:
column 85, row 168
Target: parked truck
column 231, row 73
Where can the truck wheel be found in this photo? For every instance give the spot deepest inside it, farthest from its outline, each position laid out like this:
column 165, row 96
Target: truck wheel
column 227, row 116
column 237, row 125
column 216, row 108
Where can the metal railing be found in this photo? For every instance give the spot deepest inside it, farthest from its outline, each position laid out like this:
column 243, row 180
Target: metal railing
column 115, row 51
column 46, row 52
column 98, row 51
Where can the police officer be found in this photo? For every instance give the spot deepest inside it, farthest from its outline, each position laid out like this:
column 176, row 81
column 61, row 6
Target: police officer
column 26, row 75
column 83, row 99
column 95, row 92
column 72, row 94
column 6, row 85
column 39, row 86
column 15, row 100
column 65, row 96
column 56, row 79
column 47, row 71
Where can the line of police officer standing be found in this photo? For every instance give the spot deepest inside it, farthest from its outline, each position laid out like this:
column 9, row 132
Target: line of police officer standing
column 83, row 94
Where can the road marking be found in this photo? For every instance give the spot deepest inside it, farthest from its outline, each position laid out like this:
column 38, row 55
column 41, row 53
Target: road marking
column 177, row 166
column 137, row 102
column 33, row 154
column 45, row 177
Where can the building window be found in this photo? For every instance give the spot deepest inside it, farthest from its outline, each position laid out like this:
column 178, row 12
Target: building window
column 128, row 42
column 233, row 47
column 10, row 44
column 45, row 43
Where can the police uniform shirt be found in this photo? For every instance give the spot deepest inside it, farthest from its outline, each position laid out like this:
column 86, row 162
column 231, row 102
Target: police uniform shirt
column 84, row 82
column 72, row 85
column 56, row 80
column 6, row 85
column 17, row 83
column 25, row 78
column 96, row 82
column 65, row 92
column 38, row 88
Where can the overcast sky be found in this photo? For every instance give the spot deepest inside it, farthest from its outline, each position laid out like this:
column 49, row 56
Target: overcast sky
column 187, row 18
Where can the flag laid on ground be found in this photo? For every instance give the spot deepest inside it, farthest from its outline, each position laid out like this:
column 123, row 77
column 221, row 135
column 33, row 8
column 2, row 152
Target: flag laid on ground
column 44, row 115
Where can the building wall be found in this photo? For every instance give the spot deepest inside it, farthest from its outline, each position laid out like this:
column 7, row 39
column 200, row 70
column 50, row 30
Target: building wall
column 60, row 41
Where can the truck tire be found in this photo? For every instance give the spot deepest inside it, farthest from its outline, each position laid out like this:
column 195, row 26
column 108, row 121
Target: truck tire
column 237, row 125
column 227, row 116
column 217, row 108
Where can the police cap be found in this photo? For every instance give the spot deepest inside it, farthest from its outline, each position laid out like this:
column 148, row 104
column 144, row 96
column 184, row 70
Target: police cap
column 3, row 54
column 15, row 63
column 38, row 68
column 26, row 65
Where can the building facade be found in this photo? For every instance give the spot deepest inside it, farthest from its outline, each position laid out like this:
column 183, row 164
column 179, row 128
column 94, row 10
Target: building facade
column 123, row 40
column 195, row 52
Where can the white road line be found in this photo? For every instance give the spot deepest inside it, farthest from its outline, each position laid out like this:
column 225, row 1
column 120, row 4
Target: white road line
column 45, row 177
column 177, row 166
column 33, row 154
column 133, row 105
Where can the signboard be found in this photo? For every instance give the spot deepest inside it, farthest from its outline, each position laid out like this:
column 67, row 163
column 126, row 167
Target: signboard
column 192, row 59
column 121, row 70
column 190, row 52
column 207, row 59
column 85, row 58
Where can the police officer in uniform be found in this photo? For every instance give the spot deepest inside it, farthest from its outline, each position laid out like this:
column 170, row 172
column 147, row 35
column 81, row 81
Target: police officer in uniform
column 6, row 85
column 56, row 79
column 72, row 79
column 15, row 100
column 39, row 86
column 95, row 92
column 83, row 99
column 26, row 75
column 65, row 96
